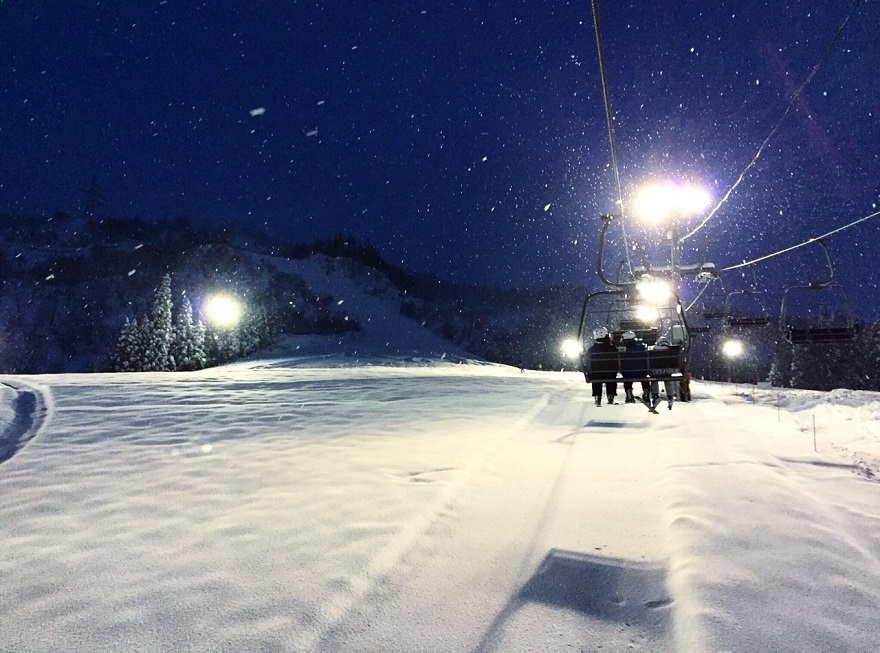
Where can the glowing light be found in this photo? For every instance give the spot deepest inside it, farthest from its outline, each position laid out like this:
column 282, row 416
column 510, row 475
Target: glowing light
column 692, row 199
column 654, row 290
column 654, row 203
column 223, row 310
column 732, row 348
column 572, row 348
column 659, row 202
column 647, row 314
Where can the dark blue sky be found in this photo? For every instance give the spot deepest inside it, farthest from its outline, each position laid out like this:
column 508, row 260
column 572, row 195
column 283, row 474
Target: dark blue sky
column 441, row 131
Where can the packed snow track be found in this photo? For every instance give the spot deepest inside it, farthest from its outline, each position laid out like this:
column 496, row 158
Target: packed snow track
column 280, row 506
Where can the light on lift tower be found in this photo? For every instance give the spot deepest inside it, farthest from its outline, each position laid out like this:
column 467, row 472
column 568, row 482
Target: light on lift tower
column 659, row 202
column 653, row 290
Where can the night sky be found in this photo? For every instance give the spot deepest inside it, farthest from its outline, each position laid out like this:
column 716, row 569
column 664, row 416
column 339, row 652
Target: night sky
column 464, row 138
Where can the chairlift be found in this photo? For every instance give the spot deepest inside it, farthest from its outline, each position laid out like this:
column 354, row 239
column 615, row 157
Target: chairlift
column 697, row 322
column 622, row 310
column 747, row 308
column 713, row 296
column 714, row 304
column 830, row 320
column 696, row 329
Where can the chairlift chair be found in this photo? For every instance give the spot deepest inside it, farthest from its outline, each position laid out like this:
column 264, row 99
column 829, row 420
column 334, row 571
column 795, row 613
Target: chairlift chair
column 622, row 310
column 698, row 328
column 835, row 320
column 747, row 308
column 714, row 305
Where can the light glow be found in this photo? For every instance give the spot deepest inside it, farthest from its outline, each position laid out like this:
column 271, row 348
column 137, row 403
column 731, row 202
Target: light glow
column 732, row 348
column 647, row 314
column 658, row 202
column 572, row 348
column 223, row 310
column 654, row 290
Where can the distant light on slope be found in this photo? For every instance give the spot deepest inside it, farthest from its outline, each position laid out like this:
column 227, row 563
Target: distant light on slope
column 223, row 310
column 732, row 348
column 572, row 348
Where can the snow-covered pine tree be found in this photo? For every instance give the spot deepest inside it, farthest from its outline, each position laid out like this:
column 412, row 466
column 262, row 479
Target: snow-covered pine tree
column 188, row 342
column 780, row 369
column 256, row 330
column 128, row 353
column 872, row 356
column 158, row 357
column 222, row 345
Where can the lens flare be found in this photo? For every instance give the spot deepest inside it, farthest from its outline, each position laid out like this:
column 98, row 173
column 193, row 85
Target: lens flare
column 653, row 290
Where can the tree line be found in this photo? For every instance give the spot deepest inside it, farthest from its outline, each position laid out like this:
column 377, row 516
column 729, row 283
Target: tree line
column 169, row 337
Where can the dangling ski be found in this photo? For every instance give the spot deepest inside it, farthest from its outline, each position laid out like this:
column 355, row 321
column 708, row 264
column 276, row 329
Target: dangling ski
column 651, row 406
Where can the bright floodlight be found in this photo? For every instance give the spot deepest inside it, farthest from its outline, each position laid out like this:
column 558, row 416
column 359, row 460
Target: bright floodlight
column 692, row 199
column 572, row 348
column 658, row 202
column 732, row 348
column 654, row 290
column 223, row 310
column 647, row 314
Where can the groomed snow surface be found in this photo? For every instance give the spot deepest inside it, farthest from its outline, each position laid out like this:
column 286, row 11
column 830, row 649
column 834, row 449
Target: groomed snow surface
column 342, row 504
column 350, row 495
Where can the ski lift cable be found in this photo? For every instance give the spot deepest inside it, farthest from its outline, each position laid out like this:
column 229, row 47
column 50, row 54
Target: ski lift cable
column 797, row 93
column 803, row 244
column 697, row 298
column 609, row 119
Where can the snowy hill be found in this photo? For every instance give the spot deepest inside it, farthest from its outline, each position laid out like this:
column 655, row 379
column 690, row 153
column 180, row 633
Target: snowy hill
column 68, row 286
column 369, row 298
column 380, row 491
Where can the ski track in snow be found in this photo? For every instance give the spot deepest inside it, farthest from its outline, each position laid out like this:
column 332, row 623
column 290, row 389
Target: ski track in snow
column 273, row 505
column 334, row 609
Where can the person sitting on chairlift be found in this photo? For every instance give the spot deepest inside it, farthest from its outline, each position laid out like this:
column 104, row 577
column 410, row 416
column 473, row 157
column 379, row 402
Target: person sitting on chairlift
column 671, row 387
column 603, row 344
column 630, row 343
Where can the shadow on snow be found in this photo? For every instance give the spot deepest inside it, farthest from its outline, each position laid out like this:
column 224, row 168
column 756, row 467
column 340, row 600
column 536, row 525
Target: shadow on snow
column 614, row 591
column 22, row 427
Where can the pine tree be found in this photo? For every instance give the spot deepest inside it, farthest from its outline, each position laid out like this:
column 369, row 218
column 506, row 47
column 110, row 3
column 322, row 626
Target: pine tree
column 188, row 342
column 256, row 330
column 780, row 370
column 222, row 345
column 158, row 357
column 871, row 335
column 128, row 353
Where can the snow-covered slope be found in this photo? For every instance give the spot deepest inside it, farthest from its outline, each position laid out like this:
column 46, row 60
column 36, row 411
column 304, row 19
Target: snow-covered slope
column 366, row 494
column 374, row 302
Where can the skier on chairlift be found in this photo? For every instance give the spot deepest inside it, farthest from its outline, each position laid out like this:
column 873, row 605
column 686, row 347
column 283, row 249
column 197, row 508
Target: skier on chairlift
column 603, row 344
column 671, row 387
column 630, row 343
